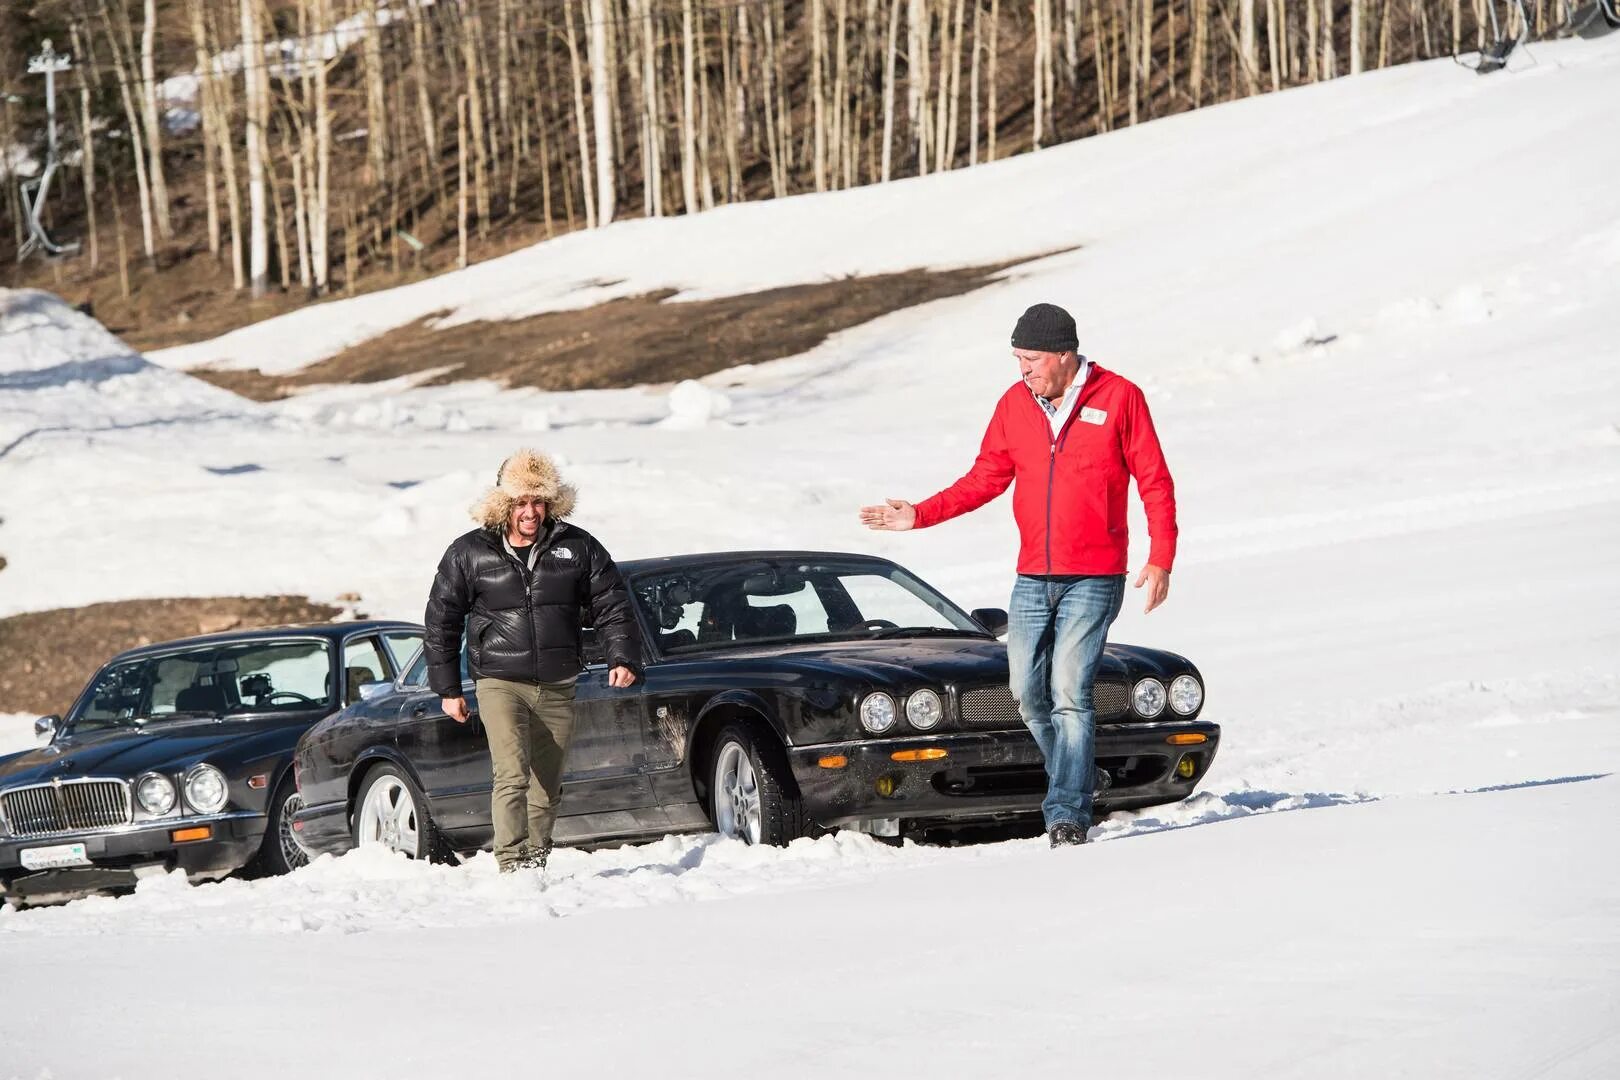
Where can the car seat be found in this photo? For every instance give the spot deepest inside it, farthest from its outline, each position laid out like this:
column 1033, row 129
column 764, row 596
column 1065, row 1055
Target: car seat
column 201, row 697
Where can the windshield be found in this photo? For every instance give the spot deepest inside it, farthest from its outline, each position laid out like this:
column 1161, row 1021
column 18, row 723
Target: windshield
column 766, row 600
column 211, row 681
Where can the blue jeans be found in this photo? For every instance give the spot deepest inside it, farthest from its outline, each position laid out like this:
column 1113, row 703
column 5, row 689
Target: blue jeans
column 1055, row 635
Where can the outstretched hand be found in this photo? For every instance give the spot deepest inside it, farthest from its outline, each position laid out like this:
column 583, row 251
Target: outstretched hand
column 894, row 515
column 1157, row 579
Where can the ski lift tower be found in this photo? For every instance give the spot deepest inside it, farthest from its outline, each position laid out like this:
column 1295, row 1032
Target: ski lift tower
column 47, row 63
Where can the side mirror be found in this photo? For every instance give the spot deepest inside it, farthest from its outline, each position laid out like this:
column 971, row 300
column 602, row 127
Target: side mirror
column 371, row 691
column 45, row 727
column 992, row 619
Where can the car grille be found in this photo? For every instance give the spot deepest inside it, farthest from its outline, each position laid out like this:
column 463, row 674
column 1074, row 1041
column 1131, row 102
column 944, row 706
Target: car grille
column 71, row 806
column 993, row 706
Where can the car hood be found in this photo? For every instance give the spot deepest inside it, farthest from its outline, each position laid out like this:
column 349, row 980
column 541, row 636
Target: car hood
column 125, row 752
column 962, row 661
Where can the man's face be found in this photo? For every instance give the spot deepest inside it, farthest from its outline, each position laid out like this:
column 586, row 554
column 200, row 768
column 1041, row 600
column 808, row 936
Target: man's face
column 528, row 514
column 1046, row 373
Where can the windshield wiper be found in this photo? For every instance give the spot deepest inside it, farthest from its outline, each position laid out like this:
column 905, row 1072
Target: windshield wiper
column 178, row 714
column 924, row 631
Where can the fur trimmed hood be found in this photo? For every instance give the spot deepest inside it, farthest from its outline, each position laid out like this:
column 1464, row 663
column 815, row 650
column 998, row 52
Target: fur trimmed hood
column 525, row 473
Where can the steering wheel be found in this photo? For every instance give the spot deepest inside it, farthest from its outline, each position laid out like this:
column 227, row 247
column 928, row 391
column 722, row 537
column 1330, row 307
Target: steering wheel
column 295, row 695
column 874, row 624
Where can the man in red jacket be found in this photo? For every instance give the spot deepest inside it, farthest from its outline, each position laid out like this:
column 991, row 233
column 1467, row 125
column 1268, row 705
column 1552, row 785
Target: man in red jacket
column 1069, row 438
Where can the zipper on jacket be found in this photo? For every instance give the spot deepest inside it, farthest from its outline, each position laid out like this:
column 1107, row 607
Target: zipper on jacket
column 1051, row 466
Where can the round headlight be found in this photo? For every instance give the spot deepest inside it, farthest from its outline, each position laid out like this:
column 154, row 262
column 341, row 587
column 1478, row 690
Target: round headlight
column 205, row 789
column 1186, row 695
column 155, row 794
column 923, row 709
column 877, row 713
column 1147, row 697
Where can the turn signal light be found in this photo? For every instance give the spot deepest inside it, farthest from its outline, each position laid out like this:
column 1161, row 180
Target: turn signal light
column 1187, row 738
column 260, row 782
column 201, row 832
column 833, row 761
column 1186, row 767
column 932, row 753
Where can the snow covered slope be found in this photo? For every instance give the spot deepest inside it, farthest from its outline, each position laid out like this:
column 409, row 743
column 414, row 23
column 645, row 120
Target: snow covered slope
column 1374, row 320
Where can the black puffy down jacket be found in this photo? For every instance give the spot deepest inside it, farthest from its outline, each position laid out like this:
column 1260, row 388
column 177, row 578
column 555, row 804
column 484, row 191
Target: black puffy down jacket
column 526, row 626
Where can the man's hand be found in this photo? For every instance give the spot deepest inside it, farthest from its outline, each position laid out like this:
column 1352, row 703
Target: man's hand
column 1157, row 580
column 621, row 677
column 895, row 515
column 455, row 708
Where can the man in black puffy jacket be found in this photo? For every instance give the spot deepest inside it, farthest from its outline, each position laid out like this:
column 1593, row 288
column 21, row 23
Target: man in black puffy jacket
column 522, row 587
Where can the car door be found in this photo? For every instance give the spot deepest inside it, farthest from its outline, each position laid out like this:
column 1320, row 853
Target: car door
column 605, row 786
column 451, row 760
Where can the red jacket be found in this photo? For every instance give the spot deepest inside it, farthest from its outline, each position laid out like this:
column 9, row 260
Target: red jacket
column 1069, row 493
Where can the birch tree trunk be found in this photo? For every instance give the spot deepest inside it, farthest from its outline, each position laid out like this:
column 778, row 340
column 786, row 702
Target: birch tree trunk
column 688, row 112
column 257, row 106
column 137, row 143
column 580, row 124
column 601, row 104
column 888, row 91
column 154, row 126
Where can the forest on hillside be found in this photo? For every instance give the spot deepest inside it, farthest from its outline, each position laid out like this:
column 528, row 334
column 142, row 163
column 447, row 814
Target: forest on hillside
column 224, row 160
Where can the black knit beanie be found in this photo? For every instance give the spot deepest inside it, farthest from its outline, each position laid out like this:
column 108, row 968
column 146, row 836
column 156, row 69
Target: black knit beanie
column 1046, row 328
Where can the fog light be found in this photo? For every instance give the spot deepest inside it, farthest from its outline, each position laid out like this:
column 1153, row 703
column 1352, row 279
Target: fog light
column 1186, row 767
column 833, row 761
column 181, row 836
column 885, row 786
column 932, row 753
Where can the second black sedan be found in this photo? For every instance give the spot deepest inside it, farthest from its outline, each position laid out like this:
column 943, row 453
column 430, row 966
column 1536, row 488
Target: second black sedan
column 177, row 756
column 786, row 693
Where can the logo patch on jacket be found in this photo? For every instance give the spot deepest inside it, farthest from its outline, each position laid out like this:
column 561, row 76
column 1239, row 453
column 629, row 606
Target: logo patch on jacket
column 563, row 553
column 1093, row 416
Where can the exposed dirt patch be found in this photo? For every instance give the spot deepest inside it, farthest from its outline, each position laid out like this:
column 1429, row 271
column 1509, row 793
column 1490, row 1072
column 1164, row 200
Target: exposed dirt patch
column 626, row 342
column 47, row 656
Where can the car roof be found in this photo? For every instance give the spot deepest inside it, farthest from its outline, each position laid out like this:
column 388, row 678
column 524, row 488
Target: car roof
column 335, row 631
column 633, row 567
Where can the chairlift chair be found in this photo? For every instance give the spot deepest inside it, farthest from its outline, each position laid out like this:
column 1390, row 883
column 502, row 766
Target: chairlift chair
column 1494, row 57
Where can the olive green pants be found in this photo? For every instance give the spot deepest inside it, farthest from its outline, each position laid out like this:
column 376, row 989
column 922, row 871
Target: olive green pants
column 528, row 726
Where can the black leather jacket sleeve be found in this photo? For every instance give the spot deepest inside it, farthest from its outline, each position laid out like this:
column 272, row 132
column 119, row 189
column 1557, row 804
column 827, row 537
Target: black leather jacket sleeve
column 610, row 612
column 449, row 600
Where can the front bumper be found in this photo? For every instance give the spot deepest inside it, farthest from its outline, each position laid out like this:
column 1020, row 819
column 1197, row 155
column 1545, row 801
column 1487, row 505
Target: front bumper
column 121, row 856
column 992, row 774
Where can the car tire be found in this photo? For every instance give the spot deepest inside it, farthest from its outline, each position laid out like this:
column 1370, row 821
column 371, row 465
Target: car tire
column 391, row 811
column 752, row 796
column 280, row 852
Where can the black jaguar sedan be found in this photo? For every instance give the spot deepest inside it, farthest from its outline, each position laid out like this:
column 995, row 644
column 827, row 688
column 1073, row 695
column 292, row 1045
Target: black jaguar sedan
column 785, row 693
column 179, row 755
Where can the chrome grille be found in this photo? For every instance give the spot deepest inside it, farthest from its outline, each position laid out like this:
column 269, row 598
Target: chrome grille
column 993, row 706
column 71, row 806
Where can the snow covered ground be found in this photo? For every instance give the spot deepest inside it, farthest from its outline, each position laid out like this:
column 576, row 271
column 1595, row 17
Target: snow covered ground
column 1374, row 319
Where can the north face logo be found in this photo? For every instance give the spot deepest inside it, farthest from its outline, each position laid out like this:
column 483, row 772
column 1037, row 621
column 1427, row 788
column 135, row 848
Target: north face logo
column 563, row 553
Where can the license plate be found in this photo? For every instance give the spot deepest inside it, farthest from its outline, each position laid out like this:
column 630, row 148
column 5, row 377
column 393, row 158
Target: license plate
column 50, row 858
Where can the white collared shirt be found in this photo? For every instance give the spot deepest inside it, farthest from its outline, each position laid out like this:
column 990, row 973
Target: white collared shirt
column 1058, row 415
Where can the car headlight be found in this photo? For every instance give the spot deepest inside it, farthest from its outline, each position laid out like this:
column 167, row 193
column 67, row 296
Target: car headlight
column 877, row 713
column 155, row 793
column 923, row 709
column 205, row 789
column 1186, row 695
column 1147, row 697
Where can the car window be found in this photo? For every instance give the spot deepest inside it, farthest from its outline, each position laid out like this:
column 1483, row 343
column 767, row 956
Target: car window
column 769, row 600
column 211, row 680
column 417, row 675
column 403, row 644
column 362, row 663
